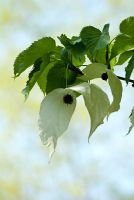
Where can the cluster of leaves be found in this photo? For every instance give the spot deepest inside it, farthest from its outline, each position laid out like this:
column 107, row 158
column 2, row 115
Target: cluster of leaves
column 58, row 71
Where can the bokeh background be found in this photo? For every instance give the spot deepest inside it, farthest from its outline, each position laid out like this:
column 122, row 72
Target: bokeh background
column 102, row 169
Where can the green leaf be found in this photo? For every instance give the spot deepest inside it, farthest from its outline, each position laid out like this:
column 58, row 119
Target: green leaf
column 65, row 40
column 129, row 69
column 74, row 51
column 28, row 57
column 93, row 71
column 65, row 56
column 124, row 57
column 127, row 26
column 131, row 117
column 75, row 39
column 54, row 116
column 121, row 44
column 38, row 74
column 96, row 43
column 99, row 57
column 74, row 54
column 42, row 80
column 116, row 89
column 59, row 76
column 56, row 53
column 96, row 101
column 90, row 37
column 94, row 39
column 104, row 38
column 112, row 61
column 78, row 54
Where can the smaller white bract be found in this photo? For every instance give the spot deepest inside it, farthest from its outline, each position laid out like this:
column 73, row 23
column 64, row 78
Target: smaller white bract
column 96, row 102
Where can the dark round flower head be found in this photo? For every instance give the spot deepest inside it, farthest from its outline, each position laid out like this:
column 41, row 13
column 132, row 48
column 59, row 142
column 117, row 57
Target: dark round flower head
column 68, row 99
column 104, row 76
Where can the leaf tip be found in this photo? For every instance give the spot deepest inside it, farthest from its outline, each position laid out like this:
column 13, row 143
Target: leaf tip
column 25, row 93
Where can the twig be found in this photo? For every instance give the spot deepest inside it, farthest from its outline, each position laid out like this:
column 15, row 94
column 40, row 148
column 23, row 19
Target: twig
column 122, row 78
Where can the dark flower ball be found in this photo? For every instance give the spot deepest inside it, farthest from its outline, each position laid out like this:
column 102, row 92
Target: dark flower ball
column 68, row 99
column 104, row 76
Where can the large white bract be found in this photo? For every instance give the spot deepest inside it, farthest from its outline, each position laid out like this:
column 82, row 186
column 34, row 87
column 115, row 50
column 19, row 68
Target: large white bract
column 55, row 115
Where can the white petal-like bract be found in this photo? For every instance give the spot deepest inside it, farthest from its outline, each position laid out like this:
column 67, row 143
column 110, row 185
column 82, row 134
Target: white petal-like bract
column 55, row 114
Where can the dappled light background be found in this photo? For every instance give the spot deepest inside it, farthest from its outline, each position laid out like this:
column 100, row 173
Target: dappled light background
column 102, row 169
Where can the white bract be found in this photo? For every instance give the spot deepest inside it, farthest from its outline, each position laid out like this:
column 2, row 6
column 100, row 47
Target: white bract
column 96, row 70
column 96, row 102
column 55, row 115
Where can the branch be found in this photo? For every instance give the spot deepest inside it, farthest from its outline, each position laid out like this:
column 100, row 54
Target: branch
column 122, row 78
